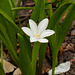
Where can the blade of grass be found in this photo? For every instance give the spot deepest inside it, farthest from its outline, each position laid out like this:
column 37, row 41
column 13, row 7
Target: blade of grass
column 50, row 11
column 35, row 52
column 57, row 16
column 15, row 12
column 9, row 45
column 36, row 11
column 68, row 1
column 55, row 45
column 19, row 21
column 42, row 57
column 11, row 21
column 66, row 24
column 2, row 53
column 24, row 58
column 1, row 70
column 43, row 46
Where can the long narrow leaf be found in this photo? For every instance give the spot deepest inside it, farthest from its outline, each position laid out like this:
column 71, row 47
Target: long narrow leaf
column 8, row 43
column 24, row 59
column 68, row 1
column 1, row 70
column 35, row 53
column 10, row 20
column 55, row 45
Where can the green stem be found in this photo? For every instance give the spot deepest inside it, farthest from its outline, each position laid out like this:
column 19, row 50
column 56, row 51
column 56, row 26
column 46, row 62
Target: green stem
column 11, row 5
column 22, row 8
column 18, row 4
column 55, row 62
column 19, row 21
column 1, row 53
column 35, row 52
column 42, row 56
column 35, row 1
column 51, row 11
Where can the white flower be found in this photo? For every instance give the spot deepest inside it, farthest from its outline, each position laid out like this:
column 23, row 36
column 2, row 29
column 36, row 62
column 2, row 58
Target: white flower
column 64, row 67
column 38, row 33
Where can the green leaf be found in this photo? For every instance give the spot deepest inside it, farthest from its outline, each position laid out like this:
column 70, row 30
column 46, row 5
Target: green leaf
column 16, row 12
column 10, row 20
column 24, row 58
column 35, row 1
column 68, row 1
column 9, row 30
column 5, row 38
column 1, row 70
column 42, row 14
column 57, row 16
column 35, row 53
column 13, row 2
column 6, row 8
column 42, row 57
column 63, row 28
column 43, row 46
column 4, row 5
column 50, row 11
column 36, row 11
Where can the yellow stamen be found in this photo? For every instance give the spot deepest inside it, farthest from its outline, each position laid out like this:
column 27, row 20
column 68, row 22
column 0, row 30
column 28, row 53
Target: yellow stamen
column 37, row 35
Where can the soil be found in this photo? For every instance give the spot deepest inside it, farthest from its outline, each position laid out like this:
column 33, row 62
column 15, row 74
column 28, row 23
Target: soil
column 68, row 44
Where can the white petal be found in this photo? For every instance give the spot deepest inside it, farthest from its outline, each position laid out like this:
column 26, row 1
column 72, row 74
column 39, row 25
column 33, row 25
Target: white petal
column 64, row 67
column 33, row 27
column 46, row 33
column 32, row 39
column 43, row 40
column 27, row 31
column 42, row 25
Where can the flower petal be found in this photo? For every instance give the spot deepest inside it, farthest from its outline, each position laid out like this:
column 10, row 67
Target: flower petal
column 43, row 40
column 46, row 33
column 64, row 67
column 32, row 39
column 27, row 31
column 42, row 25
column 33, row 26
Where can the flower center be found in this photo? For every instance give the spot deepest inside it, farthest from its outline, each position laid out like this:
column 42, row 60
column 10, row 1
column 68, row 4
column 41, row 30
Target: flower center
column 37, row 36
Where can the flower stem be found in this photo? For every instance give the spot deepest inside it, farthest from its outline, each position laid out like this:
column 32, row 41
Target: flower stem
column 19, row 21
column 51, row 11
column 1, row 53
column 35, row 52
column 55, row 62
column 22, row 8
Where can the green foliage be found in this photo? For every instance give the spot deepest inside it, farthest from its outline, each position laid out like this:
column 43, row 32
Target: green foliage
column 36, row 10
column 7, row 29
column 27, row 59
column 24, row 59
column 63, row 28
column 1, row 70
column 42, row 57
column 68, row 1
